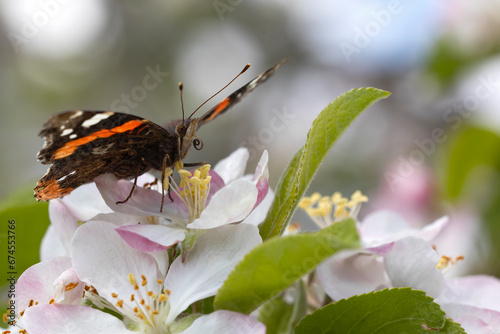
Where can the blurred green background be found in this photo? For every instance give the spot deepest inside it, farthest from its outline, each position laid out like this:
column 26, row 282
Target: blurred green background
column 431, row 149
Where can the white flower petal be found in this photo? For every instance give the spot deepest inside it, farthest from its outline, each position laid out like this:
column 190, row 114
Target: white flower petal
column 231, row 204
column 477, row 290
column 103, row 259
column 412, row 263
column 473, row 320
column 258, row 215
column 52, row 246
column 85, row 202
column 383, row 227
column 150, row 238
column 63, row 222
column 225, row 322
column 233, row 166
column 36, row 282
column 122, row 219
column 350, row 273
column 214, row 255
column 71, row 319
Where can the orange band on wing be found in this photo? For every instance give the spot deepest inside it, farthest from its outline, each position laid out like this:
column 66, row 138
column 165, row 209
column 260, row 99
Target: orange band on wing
column 71, row 146
column 218, row 109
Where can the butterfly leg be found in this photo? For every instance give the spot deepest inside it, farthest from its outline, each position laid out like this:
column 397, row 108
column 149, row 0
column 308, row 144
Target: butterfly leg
column 133, row 187
column 194, row 164
column 163, row 177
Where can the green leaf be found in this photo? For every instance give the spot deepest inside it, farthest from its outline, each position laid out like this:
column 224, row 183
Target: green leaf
column 276, row 264
column 399, row 310
column 474, row 147
column 281, row 317
column 325, row 131
column 452, row 327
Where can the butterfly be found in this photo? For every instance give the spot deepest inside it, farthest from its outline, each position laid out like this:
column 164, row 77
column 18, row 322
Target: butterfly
column 81, row 145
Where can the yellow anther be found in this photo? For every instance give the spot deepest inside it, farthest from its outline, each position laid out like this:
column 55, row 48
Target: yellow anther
column 306, row 202
column 340, row 212
column 195, row 180
column 204, row 170
column 336, row 197
column 357, row 198
column 70, row 286
column 179, row 165
column 184, row 173
column 168, row 171
column 131, row 279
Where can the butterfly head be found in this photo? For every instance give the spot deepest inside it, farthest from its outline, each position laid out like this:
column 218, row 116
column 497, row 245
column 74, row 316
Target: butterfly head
column 186, row 134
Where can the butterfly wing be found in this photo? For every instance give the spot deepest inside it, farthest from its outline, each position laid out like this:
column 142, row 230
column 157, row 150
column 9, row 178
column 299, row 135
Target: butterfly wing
column 236, row 96
column 82, row 145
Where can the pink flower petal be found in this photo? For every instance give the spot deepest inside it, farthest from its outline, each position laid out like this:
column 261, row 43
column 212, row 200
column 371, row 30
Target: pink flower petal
column 216, row 183
column 144, row 202
column 150, row 238
column 36, row 282
column 66, row 319
column 261, row 177
column 259, row 213
column 225, row 322
column 68, row 289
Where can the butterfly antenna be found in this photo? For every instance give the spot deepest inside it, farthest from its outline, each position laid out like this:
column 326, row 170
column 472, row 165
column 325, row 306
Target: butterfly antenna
column 181, row 86
column 230, row 82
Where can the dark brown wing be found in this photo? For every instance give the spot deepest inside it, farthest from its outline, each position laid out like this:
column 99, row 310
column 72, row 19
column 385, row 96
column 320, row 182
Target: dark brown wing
column 236, row 96
column 82, row 145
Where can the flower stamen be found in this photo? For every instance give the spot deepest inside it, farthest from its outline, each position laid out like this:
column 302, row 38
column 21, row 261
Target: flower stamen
column 144, row 305
column 320, row 208
column 193, row 189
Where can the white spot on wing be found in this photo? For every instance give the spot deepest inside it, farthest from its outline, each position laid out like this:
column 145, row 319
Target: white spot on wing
column 73, row 136
column 96, row 119
column 47, row 172
column 66, row 132
column 65, row 176
column 76, row 114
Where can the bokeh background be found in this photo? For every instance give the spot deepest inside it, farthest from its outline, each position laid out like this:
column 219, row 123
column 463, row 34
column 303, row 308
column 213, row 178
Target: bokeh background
column 431, row 149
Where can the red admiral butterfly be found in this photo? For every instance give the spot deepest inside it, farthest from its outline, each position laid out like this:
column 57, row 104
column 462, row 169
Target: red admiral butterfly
column 82, row 145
